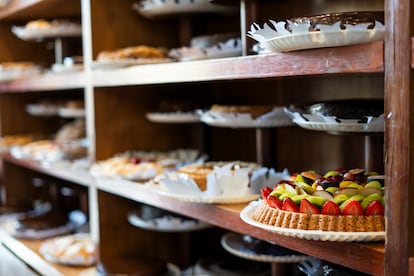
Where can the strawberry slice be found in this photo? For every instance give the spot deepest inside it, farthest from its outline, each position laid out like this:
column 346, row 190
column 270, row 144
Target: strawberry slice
column 331, row 208
column 375, row 208
column 353, row 207
column 289, row 205
column 308, row 208
column 274, row 202
column 265, row 191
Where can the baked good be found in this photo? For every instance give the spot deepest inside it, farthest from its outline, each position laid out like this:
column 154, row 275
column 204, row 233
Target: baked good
column 254, row 110
column 340, row 200
column 199, row 172
column 133, row 52
column 71, row 131
column 42, row 222
column 38, row 24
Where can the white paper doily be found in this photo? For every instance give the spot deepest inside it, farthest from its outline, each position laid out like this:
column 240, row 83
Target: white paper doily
column 247, row 216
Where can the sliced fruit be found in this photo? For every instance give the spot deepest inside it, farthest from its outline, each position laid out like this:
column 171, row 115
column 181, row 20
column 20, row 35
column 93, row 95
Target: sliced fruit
column 289, row 205
column 355, row 186
column 265, row 191
column 372, row 197
column 331, row 208
column 298, row 198
column 330, row 173
column 274, row 202
column 346, row 183
column 338, row 199
column 310, row 176
column 352, row 207
column 375, row 208
column 347, row 191
column 324, row 194
column 332, row 190
column 369, row 190
column 308, row 208
column 374, row 184
column 357, row 197
column 306, row 187
column 316, row 200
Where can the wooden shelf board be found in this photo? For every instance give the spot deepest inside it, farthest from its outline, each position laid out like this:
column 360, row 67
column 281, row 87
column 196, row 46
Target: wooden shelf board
column 352, row 255
column 363, row 58
column 35, row 9
column 74, row 80
column 79, row 176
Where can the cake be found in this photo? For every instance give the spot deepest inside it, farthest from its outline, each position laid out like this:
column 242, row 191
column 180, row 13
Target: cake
column 199, row 172
column 340, row 200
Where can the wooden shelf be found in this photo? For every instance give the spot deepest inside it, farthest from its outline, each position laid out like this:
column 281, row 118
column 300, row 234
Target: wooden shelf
column 35, row 9
column 28, row 252
column 63, row 171
column 46, row 82
column 228, row 217
column 364, row 58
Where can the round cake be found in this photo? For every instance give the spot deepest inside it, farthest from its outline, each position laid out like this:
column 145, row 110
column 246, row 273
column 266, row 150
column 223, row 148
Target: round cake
column 199, row 172
column 340, row 200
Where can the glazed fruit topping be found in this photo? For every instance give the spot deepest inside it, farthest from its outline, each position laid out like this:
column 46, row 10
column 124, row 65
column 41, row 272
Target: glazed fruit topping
column 340, row 191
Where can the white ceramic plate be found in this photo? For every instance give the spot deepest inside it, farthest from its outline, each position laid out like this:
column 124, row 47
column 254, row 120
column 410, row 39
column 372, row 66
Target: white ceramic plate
column 52, row 248
column 322, row 39
column 159, row 8
column 249, row 248
column 167, row 223
column 276, row 118
column 42, row 110
column 247, row 216
column 341, row 127
column 119, row 63
column 173, row 117
column 210, row 199
column 72, row 30
column 71, row 112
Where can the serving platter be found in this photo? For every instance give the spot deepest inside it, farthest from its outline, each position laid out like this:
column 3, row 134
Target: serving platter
column 247, row 216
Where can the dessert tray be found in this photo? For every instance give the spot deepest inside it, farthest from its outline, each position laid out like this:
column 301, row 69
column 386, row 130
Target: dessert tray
column 247, row 216
column 76, row 220
column 66, row 112
column 276, row 118
column 74, row 250
column 223, row 185
column 42, row 110
column 230, row 48
column 334, row 125
column 166, row 223
column 250, row 248
column 327, row 30
column 56, row 28
column 163, row 8
column 18, row 70
column 173, row 117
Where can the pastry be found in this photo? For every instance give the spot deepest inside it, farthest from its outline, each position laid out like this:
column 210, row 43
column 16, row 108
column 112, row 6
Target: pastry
column 199, row 172
column 71, row 131
column 340, row 200
column 254, row 110
column 133, row 52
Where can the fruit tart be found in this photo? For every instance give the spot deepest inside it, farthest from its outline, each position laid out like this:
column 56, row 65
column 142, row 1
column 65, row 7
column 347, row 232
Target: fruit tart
column 339, row 200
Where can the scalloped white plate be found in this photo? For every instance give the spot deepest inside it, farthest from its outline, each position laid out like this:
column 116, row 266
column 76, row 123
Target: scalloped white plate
column 210, row 199
column 322, row 39
column 50, row 247
column 341, row 127
column 156, row 8
column 238, row 245
column 247, row 216
column 167, row 223
column 24, row 33
column 276, row 118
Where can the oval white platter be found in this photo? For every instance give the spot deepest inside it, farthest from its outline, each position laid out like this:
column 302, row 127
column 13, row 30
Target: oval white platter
column 247, row 216
column 242, row 247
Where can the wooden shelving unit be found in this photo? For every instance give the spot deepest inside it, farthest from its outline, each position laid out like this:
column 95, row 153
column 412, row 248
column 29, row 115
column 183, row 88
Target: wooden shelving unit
column 117, row 100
